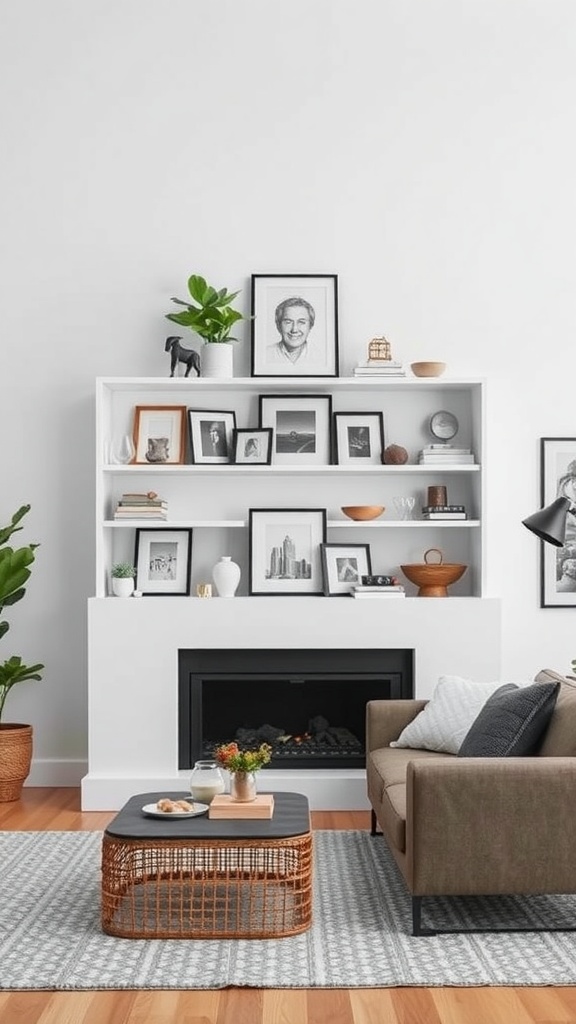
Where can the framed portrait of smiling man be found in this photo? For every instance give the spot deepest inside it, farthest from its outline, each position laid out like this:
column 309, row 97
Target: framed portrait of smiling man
column 294, row 325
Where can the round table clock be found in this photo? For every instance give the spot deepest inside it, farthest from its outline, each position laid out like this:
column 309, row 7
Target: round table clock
column 443, row 425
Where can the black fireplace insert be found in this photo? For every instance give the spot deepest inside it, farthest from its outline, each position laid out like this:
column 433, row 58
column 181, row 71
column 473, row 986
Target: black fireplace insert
column 310, row 705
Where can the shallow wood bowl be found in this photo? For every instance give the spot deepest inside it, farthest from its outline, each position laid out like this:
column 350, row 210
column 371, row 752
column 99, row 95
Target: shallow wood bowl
column 363, row 512
column 428, row 369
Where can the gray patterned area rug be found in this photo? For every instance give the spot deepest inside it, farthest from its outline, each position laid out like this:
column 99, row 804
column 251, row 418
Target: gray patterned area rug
column 50, row 935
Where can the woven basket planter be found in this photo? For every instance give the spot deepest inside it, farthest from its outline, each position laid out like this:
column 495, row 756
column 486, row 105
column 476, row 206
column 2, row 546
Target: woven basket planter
column 15, row 758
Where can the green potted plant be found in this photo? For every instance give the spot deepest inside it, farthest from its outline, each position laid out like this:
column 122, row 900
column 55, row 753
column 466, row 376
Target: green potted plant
column 212, row 317
column 123, row 576
column 15, row 738
column 242, row 765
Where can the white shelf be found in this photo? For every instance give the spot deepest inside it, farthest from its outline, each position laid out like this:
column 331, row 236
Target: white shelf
column 283, row 384
column 332, row 524
column 237, row 470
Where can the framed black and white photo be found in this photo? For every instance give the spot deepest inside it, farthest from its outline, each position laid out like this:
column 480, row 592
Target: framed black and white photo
column 558, row 480
column 343, row 566
column 294, row 325
column 159, row 435
column 285, row 551
column 359, row 438
column 252, row 447
column 211, row 435
column 163, row 560
column 301, row 425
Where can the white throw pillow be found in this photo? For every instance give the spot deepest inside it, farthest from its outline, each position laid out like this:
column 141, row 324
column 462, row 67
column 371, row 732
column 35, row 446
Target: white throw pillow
column 448, row 715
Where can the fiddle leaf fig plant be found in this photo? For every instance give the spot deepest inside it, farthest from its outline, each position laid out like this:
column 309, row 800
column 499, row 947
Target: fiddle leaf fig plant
column 210, row 313
column 14, row 573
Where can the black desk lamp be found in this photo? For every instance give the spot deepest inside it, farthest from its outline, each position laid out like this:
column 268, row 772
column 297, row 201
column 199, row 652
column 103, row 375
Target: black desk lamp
column 549, row 524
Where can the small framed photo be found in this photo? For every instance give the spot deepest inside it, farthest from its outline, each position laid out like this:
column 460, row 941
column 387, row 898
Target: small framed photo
column 163, row 560
column 211, row 434
column 301, row 425
column 359, row 438
column 558, row 480
column 294, row 325
column 343, row 566
column 285, row 550
column 252, row 447
column 159, row 435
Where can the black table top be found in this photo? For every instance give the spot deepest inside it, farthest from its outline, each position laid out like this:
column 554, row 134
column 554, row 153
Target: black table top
column 291, row 818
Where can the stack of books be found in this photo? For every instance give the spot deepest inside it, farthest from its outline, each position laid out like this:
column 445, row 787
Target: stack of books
column 362, row 591
column 379, row 368
column 435, row 512
column 141, row 506
column 444, row 454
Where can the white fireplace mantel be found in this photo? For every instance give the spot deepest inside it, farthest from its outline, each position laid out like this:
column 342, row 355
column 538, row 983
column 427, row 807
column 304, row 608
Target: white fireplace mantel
column 133, row 673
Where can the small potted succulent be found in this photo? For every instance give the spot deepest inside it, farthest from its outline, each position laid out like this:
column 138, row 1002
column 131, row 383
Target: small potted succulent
column 209, row 313
column 123, row 575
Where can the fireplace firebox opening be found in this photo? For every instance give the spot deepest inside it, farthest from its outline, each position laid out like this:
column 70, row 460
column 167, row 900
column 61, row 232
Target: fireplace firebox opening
column 310, row 705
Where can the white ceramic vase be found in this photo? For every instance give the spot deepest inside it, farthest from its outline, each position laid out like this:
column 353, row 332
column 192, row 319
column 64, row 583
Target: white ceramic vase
column 217, row 359
column 122, row 586
column 226, row 576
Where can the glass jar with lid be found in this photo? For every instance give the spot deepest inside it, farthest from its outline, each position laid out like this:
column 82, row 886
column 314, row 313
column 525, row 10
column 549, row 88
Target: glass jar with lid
column 206, row 781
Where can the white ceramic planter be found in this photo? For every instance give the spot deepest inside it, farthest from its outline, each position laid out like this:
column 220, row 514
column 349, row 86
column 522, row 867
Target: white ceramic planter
column 226, row 576
column 122, row 586
column 217, row 359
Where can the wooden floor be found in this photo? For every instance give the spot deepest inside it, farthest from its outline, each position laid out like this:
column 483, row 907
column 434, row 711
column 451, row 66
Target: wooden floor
column 59, row 809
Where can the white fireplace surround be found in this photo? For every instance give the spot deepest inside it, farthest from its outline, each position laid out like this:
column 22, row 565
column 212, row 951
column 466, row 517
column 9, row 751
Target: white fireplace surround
column 133, row 674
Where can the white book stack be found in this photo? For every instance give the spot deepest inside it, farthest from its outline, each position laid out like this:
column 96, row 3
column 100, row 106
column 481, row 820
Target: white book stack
column 379, row 593
column 379, row 368
column 445, row 454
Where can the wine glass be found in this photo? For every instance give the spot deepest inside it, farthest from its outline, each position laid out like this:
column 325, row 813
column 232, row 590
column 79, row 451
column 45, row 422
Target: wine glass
column 404, row 507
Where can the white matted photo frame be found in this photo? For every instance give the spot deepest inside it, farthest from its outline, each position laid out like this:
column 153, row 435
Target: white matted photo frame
column 558, row 480
column 294, row 325
column 159, row 435
column 163, row 560
column 358, row 438
column 252, row 446
column 343, row 566
column 302, row 428
column 211, row 435
column 285, row 550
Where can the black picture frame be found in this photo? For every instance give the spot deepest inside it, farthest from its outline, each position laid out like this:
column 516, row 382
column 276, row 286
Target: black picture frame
column 211, row 434
column 358, row 438
column 343, row 566
column 558, row 565
column 302, row 426
column 252, row 446
column 284, row 551
column 294, row 325
column 163, row 560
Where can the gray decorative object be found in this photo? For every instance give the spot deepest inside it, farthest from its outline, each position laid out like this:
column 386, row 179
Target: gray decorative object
column 179, row 354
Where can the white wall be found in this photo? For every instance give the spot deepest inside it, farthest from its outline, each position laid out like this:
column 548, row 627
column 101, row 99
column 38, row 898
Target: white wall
column 422, row 151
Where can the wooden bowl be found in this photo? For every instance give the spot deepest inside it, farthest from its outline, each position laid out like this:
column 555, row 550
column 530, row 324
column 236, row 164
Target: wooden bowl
column 427, row 369
column 433, row 578
column 363, row 512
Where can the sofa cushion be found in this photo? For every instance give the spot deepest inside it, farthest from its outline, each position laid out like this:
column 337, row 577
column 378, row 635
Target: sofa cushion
column 512, row 722
column 448, row 715
column 560, row 737
column 389, row 788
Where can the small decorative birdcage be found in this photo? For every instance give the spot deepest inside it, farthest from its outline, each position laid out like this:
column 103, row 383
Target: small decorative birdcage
column 379, row 348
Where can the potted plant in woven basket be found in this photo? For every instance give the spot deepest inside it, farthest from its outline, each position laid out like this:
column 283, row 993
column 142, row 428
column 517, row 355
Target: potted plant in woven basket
column 15, row 738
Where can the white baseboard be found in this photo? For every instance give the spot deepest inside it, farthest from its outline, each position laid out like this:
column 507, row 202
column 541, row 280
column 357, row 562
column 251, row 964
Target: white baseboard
column 52, row 771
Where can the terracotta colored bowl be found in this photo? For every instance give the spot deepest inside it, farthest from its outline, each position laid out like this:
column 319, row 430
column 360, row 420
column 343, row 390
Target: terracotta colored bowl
column 427, row 369
column 363, row 512
column 433, row 579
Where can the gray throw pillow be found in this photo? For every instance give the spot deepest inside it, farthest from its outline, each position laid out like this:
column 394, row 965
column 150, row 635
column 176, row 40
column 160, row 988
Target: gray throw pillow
column 512, row 722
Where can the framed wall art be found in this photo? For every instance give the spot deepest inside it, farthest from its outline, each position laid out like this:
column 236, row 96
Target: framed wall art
column 252, row 446
column 358, row 438
column 294, row 325
column 211, row 434
column 159, row 434
column 285, row 551
column 163, row 560
column 558, row 565
column 301, row 425
column 343, row 566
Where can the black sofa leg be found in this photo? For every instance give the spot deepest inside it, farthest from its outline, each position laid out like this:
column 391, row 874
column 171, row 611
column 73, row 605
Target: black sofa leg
column 417, row 929
column 374, row 830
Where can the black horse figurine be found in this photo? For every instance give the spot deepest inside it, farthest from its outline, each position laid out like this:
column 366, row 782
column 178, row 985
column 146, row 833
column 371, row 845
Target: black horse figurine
column 178, row 354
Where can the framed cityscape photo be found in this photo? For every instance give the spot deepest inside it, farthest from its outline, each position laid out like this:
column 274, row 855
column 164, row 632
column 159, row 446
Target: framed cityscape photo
column 343, row 566
column 163, row 560
column 294, row 325
column 359, row 438
column 285, row 550
column 159, row 435
column 301, row 425
column 211, row 433
column 558, row 480
column 252, row 446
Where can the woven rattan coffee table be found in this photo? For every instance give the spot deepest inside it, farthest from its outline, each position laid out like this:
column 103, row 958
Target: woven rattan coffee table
column 201, row 878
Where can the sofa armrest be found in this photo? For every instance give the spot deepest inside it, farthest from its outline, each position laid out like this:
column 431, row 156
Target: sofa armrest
column 491, row 825
column 385, row 720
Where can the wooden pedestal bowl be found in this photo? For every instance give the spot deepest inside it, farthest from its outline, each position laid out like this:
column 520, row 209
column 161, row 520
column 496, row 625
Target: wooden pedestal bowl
column 433, row 578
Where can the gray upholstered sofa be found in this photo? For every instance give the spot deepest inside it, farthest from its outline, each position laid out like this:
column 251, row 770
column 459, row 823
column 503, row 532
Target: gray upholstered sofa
column 476, row 825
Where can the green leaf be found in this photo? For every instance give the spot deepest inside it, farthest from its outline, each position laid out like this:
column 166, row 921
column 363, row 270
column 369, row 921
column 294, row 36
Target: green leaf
column 197, row 287
column 4, row 627
column 7, row 531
